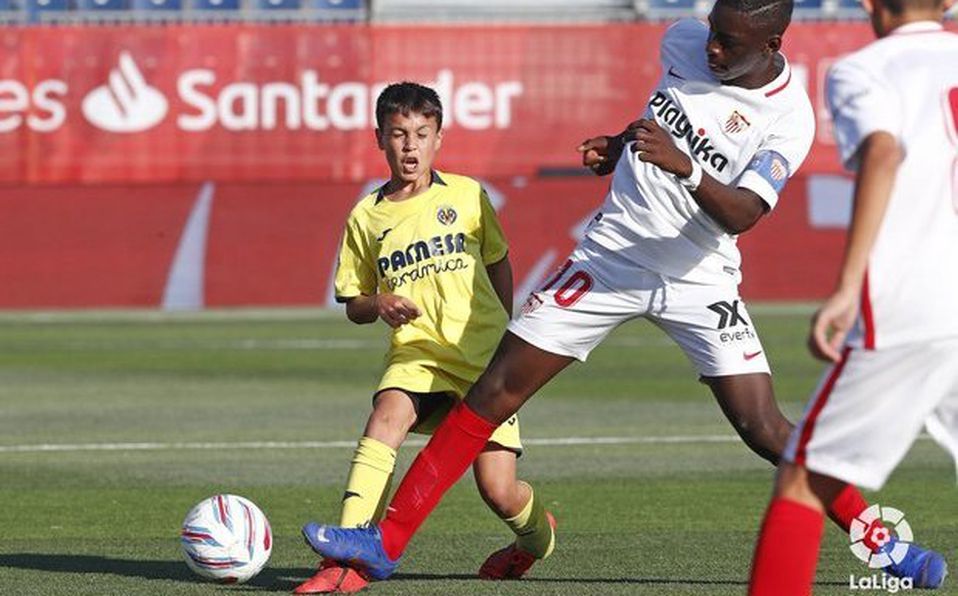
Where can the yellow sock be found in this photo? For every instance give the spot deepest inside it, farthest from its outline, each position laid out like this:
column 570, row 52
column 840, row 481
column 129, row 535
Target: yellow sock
column 534, row 534
column 383, row 501
column 368, row 482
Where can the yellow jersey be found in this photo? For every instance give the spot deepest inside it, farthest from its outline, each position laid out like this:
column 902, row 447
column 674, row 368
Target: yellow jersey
column 432, row 249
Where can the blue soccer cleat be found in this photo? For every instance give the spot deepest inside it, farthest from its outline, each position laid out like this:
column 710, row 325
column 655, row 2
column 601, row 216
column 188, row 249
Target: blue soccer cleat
column 925, row 567
column 361, row 548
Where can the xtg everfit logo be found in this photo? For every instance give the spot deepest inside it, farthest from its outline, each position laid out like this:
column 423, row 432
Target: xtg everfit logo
column 134, row 98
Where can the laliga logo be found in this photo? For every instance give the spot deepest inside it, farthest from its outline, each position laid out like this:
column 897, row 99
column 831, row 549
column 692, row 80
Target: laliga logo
column 870, row 535
column 126, row 103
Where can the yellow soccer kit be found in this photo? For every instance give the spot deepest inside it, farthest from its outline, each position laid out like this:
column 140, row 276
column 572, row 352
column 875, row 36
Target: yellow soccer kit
column 432, row 249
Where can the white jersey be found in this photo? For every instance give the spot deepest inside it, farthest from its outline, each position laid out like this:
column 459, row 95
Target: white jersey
column 753, row 138
column 906, row 84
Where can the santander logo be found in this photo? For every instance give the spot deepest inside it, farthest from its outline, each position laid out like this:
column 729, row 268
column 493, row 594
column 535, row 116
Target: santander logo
column 126, row 103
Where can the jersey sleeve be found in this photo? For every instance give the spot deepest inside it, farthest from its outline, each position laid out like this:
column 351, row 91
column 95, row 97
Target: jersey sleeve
column 355, row 273
column 860, row 104
column 784, row 148
column 494, row 246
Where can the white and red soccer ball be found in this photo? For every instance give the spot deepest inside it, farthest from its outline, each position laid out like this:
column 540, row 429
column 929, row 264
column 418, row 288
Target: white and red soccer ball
column 226, row 538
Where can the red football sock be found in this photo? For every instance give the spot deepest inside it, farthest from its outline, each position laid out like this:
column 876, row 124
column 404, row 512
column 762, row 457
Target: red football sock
column 454, row 445
column 787, row 550
column 846, row 507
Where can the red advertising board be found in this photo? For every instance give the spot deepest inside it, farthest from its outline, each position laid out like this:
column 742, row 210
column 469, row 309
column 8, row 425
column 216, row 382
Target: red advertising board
column 292, row 103
column 109, row 136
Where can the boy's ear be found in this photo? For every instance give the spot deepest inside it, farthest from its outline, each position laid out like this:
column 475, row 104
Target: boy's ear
column 869, row 6
column 438, row 139
column 379, row 140
column 773, row 44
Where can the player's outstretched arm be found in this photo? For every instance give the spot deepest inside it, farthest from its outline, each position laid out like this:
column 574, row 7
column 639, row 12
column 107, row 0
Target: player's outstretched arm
column 392, row 309
column 735, row 209
column 500, row 274
column 879, row 156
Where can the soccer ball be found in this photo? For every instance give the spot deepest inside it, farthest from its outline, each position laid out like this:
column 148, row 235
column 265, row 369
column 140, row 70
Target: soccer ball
column 226, row 538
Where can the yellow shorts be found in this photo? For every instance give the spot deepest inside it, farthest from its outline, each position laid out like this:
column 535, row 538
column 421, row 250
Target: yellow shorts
column 433, row 388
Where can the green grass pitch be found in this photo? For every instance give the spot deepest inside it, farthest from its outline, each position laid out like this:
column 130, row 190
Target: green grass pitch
column 675, row 514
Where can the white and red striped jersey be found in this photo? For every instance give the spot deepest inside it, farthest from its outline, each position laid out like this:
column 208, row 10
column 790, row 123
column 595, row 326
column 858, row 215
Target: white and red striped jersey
column 906, row 84
column 753, row 138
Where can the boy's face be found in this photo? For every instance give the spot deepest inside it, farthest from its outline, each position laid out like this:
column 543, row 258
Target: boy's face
column 736, row 46
column 410, row 143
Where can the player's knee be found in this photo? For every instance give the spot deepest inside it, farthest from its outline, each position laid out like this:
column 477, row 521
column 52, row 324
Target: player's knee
column 491, row 398
column 389, row 425
column 764, row 439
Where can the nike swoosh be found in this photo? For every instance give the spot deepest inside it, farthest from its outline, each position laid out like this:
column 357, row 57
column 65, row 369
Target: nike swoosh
column 321, row 535
column 349, row 494
column 748, row 356
column 672, row 73
column 383, row 235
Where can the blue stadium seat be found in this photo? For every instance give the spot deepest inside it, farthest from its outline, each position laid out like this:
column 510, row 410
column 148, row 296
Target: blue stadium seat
column 216, row 4
column 40, row 6
column 808, row 9
column 97, row 5
column 279, row 4
column 670, row 9
column 337, row 4
column 159, row 5
column 850, row 9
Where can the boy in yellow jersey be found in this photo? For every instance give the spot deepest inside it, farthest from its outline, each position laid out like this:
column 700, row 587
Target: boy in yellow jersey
column 425, row 254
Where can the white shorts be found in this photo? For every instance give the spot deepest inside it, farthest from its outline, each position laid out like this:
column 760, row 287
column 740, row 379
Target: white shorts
column 870, row 407
column 597, row 290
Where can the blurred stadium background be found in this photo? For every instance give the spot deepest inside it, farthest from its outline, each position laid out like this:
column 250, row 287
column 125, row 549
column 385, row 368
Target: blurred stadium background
column 183, row 154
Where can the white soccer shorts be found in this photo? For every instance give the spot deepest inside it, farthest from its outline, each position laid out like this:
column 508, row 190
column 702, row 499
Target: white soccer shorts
column 597, row 290
column 870, row 407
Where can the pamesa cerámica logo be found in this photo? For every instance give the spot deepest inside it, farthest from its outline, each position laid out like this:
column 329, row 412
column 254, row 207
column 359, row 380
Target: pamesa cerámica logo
column 128, row 103
column 880, row 536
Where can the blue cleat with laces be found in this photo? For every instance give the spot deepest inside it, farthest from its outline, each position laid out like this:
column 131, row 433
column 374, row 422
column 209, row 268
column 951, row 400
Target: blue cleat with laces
column 925, row 567
column 360, row 548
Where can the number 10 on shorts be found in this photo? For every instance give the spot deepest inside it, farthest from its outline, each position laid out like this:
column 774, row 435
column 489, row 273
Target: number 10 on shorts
column 572, row 289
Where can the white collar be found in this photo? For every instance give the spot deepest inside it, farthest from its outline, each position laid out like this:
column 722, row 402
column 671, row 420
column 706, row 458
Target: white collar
column 917, row 27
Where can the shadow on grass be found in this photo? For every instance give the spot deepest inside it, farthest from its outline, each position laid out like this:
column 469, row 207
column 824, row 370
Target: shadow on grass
column 174, row 570
column 285, row 579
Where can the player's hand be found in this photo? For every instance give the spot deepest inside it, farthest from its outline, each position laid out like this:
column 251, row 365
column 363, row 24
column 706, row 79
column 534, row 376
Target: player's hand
column 395, row 310
column 654, row 145
column 831, row 324
column 600, row 154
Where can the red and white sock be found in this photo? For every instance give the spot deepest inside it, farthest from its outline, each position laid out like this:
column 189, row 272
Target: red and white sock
column 787, row 551
column 453, row 447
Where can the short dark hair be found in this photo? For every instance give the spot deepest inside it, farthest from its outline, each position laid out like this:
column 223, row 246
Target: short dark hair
column 404, row 98
column 897, row 7
column 773, row 14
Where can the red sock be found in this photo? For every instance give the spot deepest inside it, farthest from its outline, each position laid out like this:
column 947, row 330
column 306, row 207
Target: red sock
column 454, row 445
column 846, row 507
column 787, row 550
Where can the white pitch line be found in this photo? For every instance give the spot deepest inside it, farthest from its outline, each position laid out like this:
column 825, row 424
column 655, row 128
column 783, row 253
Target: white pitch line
column 151, row 446
column 550, row 442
